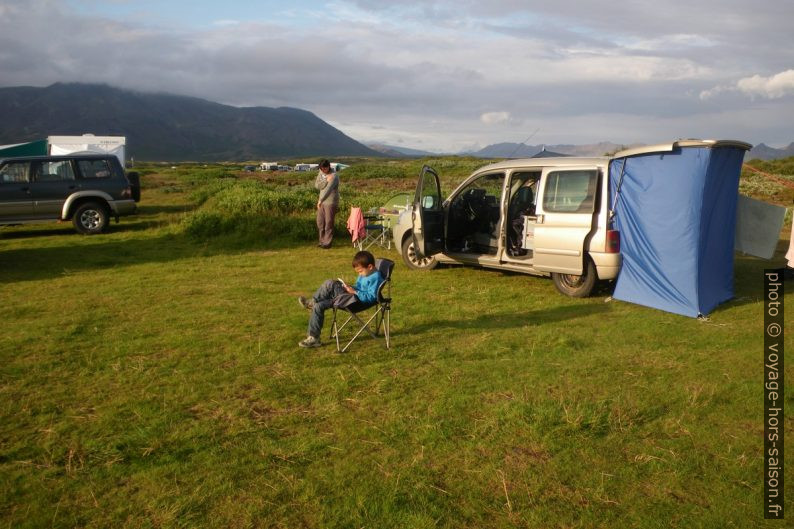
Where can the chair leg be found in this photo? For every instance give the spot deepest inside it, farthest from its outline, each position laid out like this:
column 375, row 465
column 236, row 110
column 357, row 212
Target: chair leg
column 335, row 330
column 386, row 328
column 364, row 327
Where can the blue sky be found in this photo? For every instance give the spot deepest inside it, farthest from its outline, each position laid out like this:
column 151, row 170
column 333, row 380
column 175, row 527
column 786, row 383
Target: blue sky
column 196, row 14
column 439, row 75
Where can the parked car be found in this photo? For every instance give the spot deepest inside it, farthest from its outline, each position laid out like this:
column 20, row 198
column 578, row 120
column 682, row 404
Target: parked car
column 539, row 216
column 87, row 189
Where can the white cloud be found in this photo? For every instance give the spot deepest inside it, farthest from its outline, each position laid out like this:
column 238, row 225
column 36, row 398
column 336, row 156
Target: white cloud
column 495, row 118
column 773, row 87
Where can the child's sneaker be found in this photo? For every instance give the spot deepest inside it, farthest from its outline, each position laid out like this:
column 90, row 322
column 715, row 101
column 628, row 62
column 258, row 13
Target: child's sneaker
column 306, row 304
column 310, row 341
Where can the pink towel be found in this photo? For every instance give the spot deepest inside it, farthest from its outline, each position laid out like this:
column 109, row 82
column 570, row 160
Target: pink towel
column 356, row 225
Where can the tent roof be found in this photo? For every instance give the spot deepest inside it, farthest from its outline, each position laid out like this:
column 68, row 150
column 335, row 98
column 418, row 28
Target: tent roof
column 33, row 148
column 669, row 147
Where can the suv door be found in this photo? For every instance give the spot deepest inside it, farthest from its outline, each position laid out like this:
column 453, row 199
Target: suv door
column 16, row 202
column 564, row 213
column 427, row 217
column 53, row 182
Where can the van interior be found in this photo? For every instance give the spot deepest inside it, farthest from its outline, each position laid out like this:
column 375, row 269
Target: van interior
column 474, row 214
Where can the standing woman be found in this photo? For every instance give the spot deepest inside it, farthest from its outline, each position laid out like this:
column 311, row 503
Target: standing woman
column 327, row 183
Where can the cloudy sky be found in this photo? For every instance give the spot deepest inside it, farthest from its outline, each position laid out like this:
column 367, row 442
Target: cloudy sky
column 441, row 75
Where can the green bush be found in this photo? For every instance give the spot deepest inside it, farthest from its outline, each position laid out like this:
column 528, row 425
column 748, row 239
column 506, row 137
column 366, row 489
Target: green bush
column 206, row 224
column 368, row 171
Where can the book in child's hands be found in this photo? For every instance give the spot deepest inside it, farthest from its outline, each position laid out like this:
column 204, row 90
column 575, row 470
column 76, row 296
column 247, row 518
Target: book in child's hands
column 342, row 281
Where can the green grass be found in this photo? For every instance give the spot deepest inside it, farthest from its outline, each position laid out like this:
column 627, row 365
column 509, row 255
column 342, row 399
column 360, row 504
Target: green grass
column 150, row 378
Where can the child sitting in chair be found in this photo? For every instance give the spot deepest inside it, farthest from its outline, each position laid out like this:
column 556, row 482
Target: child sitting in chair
column 335, row 293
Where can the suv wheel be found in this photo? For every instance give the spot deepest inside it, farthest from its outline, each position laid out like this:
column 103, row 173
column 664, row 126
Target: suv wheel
column 577, row 286
column 90, row 218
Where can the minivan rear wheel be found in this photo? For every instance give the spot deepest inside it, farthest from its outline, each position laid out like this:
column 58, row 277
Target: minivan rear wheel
column 415, row 260
column 90, row 218
column 577, row 286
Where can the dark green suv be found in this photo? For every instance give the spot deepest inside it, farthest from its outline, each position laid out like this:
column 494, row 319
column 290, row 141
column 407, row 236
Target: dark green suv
column 89, row 189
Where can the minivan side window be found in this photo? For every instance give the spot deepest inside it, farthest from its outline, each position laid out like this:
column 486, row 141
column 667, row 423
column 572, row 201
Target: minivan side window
column 53, row 171
column 94, row 168
column 570, row 191
column 14, row 173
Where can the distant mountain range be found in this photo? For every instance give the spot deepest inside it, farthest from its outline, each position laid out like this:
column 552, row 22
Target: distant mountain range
column 179, row 128
column 170, row 127
column 764, row 152
column 399, row 152
column 519, row 150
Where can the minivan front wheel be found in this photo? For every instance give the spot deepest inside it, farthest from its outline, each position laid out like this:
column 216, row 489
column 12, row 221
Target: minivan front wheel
column 90, row 218
column 577, row 286
column 415, row 260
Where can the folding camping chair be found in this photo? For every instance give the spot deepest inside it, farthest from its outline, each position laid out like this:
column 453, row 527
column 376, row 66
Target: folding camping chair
column 378, row 231
column 381, row 316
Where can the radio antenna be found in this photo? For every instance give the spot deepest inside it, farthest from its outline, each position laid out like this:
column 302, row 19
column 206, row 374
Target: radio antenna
column 523, row 142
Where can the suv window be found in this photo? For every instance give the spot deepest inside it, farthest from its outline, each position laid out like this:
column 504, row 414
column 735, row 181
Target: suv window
column 53, row 171
column 14, row 172
column 570, row 191
column 94, row 168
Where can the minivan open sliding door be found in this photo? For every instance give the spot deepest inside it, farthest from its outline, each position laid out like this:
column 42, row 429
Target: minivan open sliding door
column 427, row 217
column 565, row 218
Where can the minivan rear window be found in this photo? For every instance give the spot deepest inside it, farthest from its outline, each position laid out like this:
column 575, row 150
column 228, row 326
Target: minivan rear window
column 94, row 168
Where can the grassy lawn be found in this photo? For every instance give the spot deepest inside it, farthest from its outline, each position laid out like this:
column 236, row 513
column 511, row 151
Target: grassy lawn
column 150, row 377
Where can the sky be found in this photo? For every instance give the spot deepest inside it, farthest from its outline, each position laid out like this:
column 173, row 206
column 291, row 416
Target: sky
column 442, row 76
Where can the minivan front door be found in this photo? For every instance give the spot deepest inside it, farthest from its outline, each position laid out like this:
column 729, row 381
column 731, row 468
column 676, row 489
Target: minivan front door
column 564, row 211
column 427, row 217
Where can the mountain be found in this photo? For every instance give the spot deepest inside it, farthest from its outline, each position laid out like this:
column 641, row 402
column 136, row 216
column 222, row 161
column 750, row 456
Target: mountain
column 169, row 127
column 519, row 150
column 399, row 152
column 765, row 152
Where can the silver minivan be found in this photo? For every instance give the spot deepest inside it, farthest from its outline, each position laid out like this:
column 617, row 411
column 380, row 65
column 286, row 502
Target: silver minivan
column 540, row 216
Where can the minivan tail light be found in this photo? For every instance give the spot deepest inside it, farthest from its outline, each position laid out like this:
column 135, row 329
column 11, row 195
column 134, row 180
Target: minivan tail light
column 613, row 241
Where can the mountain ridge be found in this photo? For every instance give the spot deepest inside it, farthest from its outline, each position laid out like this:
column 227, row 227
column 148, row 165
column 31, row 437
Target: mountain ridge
column 519, row 150
column 162, row 126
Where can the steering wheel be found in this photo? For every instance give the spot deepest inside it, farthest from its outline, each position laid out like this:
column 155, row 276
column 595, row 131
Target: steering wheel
column 475, row 204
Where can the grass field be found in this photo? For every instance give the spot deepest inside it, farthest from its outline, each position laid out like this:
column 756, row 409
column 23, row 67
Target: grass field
column 151, row 378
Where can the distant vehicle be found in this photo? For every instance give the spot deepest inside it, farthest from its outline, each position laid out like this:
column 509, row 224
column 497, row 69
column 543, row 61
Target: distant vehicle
column 306, row 166
column 86, row 188
column 284, row 168
column 268, row 166
column 249, row 168
column 539, row 216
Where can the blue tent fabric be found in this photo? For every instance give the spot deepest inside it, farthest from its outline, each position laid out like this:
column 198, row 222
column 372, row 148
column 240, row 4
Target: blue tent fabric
column 676, row 213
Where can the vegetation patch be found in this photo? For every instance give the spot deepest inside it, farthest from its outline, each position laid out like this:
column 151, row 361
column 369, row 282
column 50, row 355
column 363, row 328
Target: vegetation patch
column 151, row 378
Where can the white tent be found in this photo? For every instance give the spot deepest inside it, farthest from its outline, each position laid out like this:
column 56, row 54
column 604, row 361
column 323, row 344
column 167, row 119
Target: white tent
column 88, row 143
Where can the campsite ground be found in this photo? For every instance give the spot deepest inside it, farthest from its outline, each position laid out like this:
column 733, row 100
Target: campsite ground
column 150, row 377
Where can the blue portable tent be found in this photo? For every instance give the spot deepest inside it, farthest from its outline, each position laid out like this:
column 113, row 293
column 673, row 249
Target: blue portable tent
column 675, row 208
